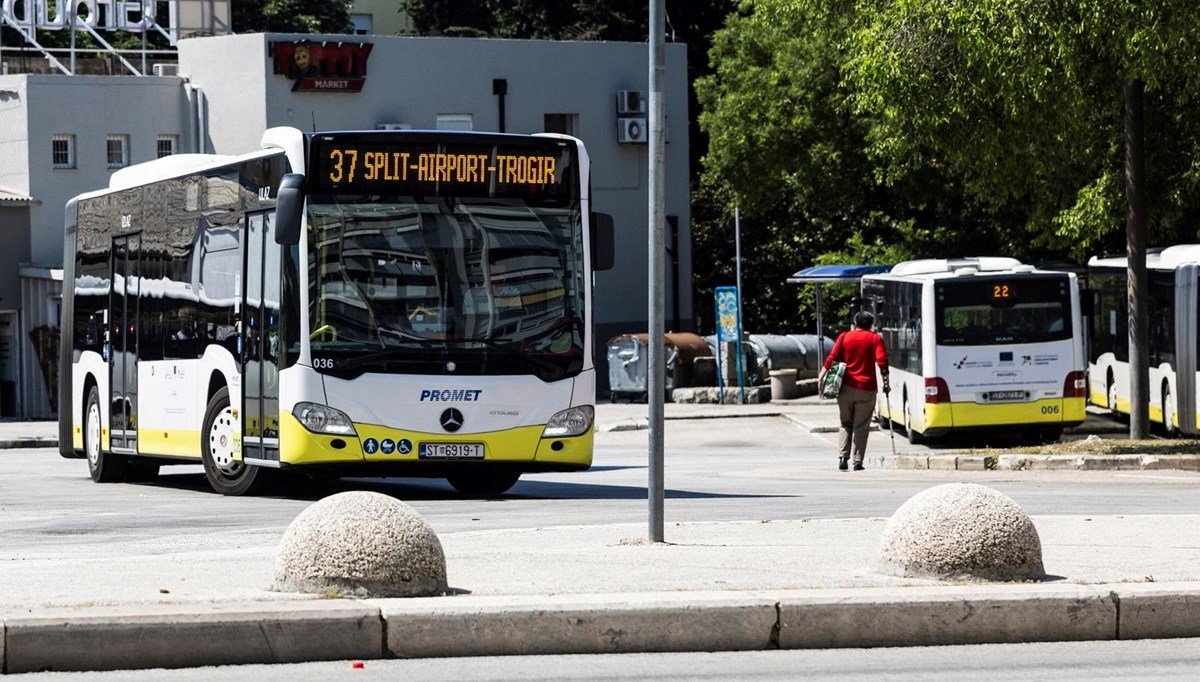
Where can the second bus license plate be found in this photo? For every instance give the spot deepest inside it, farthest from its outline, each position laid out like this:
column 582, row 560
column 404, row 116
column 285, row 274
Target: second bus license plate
column 450, row 451
column 1007, row 395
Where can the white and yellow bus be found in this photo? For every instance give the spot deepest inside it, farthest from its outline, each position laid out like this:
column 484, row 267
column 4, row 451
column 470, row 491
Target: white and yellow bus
column 393, row 303
column 1172, row 290
column 979, row 344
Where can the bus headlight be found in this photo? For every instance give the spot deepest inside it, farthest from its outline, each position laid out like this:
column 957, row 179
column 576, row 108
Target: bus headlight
column 570, row 422
column 323, row 419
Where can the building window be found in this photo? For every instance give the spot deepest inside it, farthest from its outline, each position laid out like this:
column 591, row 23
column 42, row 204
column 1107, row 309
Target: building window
column 64, row 151
column 560, row 123
column 360, row 24
column 455, row 122
column 118, row 151
column 167, row 145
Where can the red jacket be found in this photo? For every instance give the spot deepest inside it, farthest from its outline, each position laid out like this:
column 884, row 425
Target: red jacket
column 861, row 350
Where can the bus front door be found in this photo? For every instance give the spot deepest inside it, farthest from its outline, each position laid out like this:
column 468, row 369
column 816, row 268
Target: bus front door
column 123, row 342
column 260, row 342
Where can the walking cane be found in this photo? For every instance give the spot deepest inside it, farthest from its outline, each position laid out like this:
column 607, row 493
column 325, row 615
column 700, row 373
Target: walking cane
column 891, row 422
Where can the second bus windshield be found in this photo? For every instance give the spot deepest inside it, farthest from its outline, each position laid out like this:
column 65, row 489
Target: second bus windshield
column 1027, row 309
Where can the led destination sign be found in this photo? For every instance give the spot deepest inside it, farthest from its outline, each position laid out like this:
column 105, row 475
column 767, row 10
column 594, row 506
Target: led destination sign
column 540, row 170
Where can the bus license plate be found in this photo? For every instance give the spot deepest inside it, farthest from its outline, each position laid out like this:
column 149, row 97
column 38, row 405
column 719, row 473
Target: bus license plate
column 450, row 451
column 1007, row 395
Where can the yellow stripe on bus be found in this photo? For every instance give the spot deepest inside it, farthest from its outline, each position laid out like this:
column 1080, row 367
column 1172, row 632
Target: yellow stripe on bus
column 966, row 414
column 299, row 446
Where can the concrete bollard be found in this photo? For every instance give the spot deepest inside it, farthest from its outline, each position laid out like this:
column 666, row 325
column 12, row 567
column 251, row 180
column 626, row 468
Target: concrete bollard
column 961, row 530
column 361, row 544
column 783, row 384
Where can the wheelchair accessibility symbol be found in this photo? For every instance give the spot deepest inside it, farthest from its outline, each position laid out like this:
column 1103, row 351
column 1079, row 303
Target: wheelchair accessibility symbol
column 404, row 446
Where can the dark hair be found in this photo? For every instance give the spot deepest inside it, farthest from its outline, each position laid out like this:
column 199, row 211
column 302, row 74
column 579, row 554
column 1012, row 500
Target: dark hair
column 863, row 319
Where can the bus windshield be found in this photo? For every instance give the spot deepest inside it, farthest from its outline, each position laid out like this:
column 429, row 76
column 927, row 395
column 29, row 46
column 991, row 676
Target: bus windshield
column 1024, row 309
column 493, row 283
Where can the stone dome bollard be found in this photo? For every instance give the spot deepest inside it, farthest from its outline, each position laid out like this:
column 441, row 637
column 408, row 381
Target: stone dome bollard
column 961, row 530
column 361, row 544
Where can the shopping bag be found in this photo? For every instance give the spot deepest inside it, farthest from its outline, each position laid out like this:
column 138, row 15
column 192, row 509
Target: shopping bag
column 833, row 380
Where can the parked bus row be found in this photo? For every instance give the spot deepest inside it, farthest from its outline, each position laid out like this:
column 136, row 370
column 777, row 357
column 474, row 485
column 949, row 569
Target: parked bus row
column 994, row 344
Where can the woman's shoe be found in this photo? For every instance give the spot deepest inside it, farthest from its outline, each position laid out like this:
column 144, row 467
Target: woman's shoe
column 858, row 466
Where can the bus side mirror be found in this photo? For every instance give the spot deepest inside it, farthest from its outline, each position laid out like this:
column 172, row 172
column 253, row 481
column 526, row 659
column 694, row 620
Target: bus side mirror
column 603, row 242
column 289, row 209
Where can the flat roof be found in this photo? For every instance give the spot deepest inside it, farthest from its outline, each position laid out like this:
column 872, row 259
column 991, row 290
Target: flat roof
column 821, row 274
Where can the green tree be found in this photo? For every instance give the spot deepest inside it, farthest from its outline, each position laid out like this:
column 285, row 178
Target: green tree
column 291, row 16
column 1022, row 101
column 786, row 147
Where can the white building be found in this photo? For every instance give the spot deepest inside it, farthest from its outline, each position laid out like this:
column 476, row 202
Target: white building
column 63, row 135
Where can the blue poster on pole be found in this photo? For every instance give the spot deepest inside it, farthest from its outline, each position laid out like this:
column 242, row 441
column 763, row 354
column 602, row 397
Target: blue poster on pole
column 729, row 330
column 727, row 314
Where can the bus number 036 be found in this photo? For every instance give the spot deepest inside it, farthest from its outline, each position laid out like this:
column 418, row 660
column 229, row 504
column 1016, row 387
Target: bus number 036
column 326, row 363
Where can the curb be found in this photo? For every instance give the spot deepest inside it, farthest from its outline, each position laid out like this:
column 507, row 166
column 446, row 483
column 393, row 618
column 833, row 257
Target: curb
column 286, row 632
column 1038, row 462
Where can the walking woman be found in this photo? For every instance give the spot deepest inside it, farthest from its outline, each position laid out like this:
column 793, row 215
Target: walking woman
column 862, row 350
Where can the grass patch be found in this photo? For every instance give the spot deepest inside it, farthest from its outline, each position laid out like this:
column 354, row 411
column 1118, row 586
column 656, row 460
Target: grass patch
column 1094, row 445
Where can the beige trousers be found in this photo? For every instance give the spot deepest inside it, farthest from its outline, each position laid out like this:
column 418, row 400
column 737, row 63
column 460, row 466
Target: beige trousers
column 854, row 410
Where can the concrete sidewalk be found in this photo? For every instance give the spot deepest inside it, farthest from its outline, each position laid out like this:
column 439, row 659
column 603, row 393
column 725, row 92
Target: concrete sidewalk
column 604, row 589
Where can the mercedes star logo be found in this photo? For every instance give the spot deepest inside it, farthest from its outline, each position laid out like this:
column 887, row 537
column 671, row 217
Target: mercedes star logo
column 451, row 420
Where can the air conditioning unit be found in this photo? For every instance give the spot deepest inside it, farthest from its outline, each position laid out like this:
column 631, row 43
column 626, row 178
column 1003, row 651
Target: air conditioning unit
column 632, row 130
column 394, row 126
column 166, row 69
column 630, row 102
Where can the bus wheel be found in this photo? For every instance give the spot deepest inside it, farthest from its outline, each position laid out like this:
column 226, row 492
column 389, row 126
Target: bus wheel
column 913, row 437
column 484, row 483
column 1168, row 403
column 1112, row 399
column 226, row 475
column 105, row 467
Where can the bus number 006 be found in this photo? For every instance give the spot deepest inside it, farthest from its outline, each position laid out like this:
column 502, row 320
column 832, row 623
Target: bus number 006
column 1049, row 409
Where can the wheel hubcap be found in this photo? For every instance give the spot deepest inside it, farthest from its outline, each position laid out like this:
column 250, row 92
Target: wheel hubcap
column 1169, row 412
column 220, row 443
column 93, row 434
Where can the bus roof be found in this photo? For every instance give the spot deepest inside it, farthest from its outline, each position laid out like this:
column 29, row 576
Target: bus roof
column 1156, row 259
column 950, row 266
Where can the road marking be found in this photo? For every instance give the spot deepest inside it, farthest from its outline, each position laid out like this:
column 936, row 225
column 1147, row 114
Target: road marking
column 1182, row 478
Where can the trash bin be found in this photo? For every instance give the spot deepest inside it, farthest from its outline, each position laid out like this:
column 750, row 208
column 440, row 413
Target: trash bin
column 629, row 363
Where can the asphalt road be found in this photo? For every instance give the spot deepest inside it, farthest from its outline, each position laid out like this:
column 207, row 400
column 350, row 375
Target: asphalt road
column 1177, row 659
column 716, row 470
column 70, row 542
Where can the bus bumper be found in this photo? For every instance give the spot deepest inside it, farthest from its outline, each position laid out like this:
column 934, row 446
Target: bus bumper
column 382, row 445
column 1045, row 413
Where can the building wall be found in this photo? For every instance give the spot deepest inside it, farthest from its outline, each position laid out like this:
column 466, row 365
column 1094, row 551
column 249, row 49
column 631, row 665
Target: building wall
column 91, row 107
column 386, row 17
column 411, row 80
column 14, row 250
column 14, row 133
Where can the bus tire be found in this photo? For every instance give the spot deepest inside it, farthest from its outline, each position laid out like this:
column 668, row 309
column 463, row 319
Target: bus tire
column 1168, row 413
column 483, row 483
column 226, row 475
column 914, row 437
column 105, row 467
column 1111, row 397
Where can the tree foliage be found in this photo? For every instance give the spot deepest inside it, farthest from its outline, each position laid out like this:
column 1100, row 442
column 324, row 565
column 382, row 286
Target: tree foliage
column 787, row 148
column 875, row 130
column 1022, row 101
column 291, row 16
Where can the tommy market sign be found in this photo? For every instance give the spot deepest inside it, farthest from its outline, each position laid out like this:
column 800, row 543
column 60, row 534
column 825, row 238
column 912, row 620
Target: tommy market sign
column 321, row 66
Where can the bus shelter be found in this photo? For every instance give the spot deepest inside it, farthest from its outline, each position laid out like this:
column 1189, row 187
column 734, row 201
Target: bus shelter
column 820, row 275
